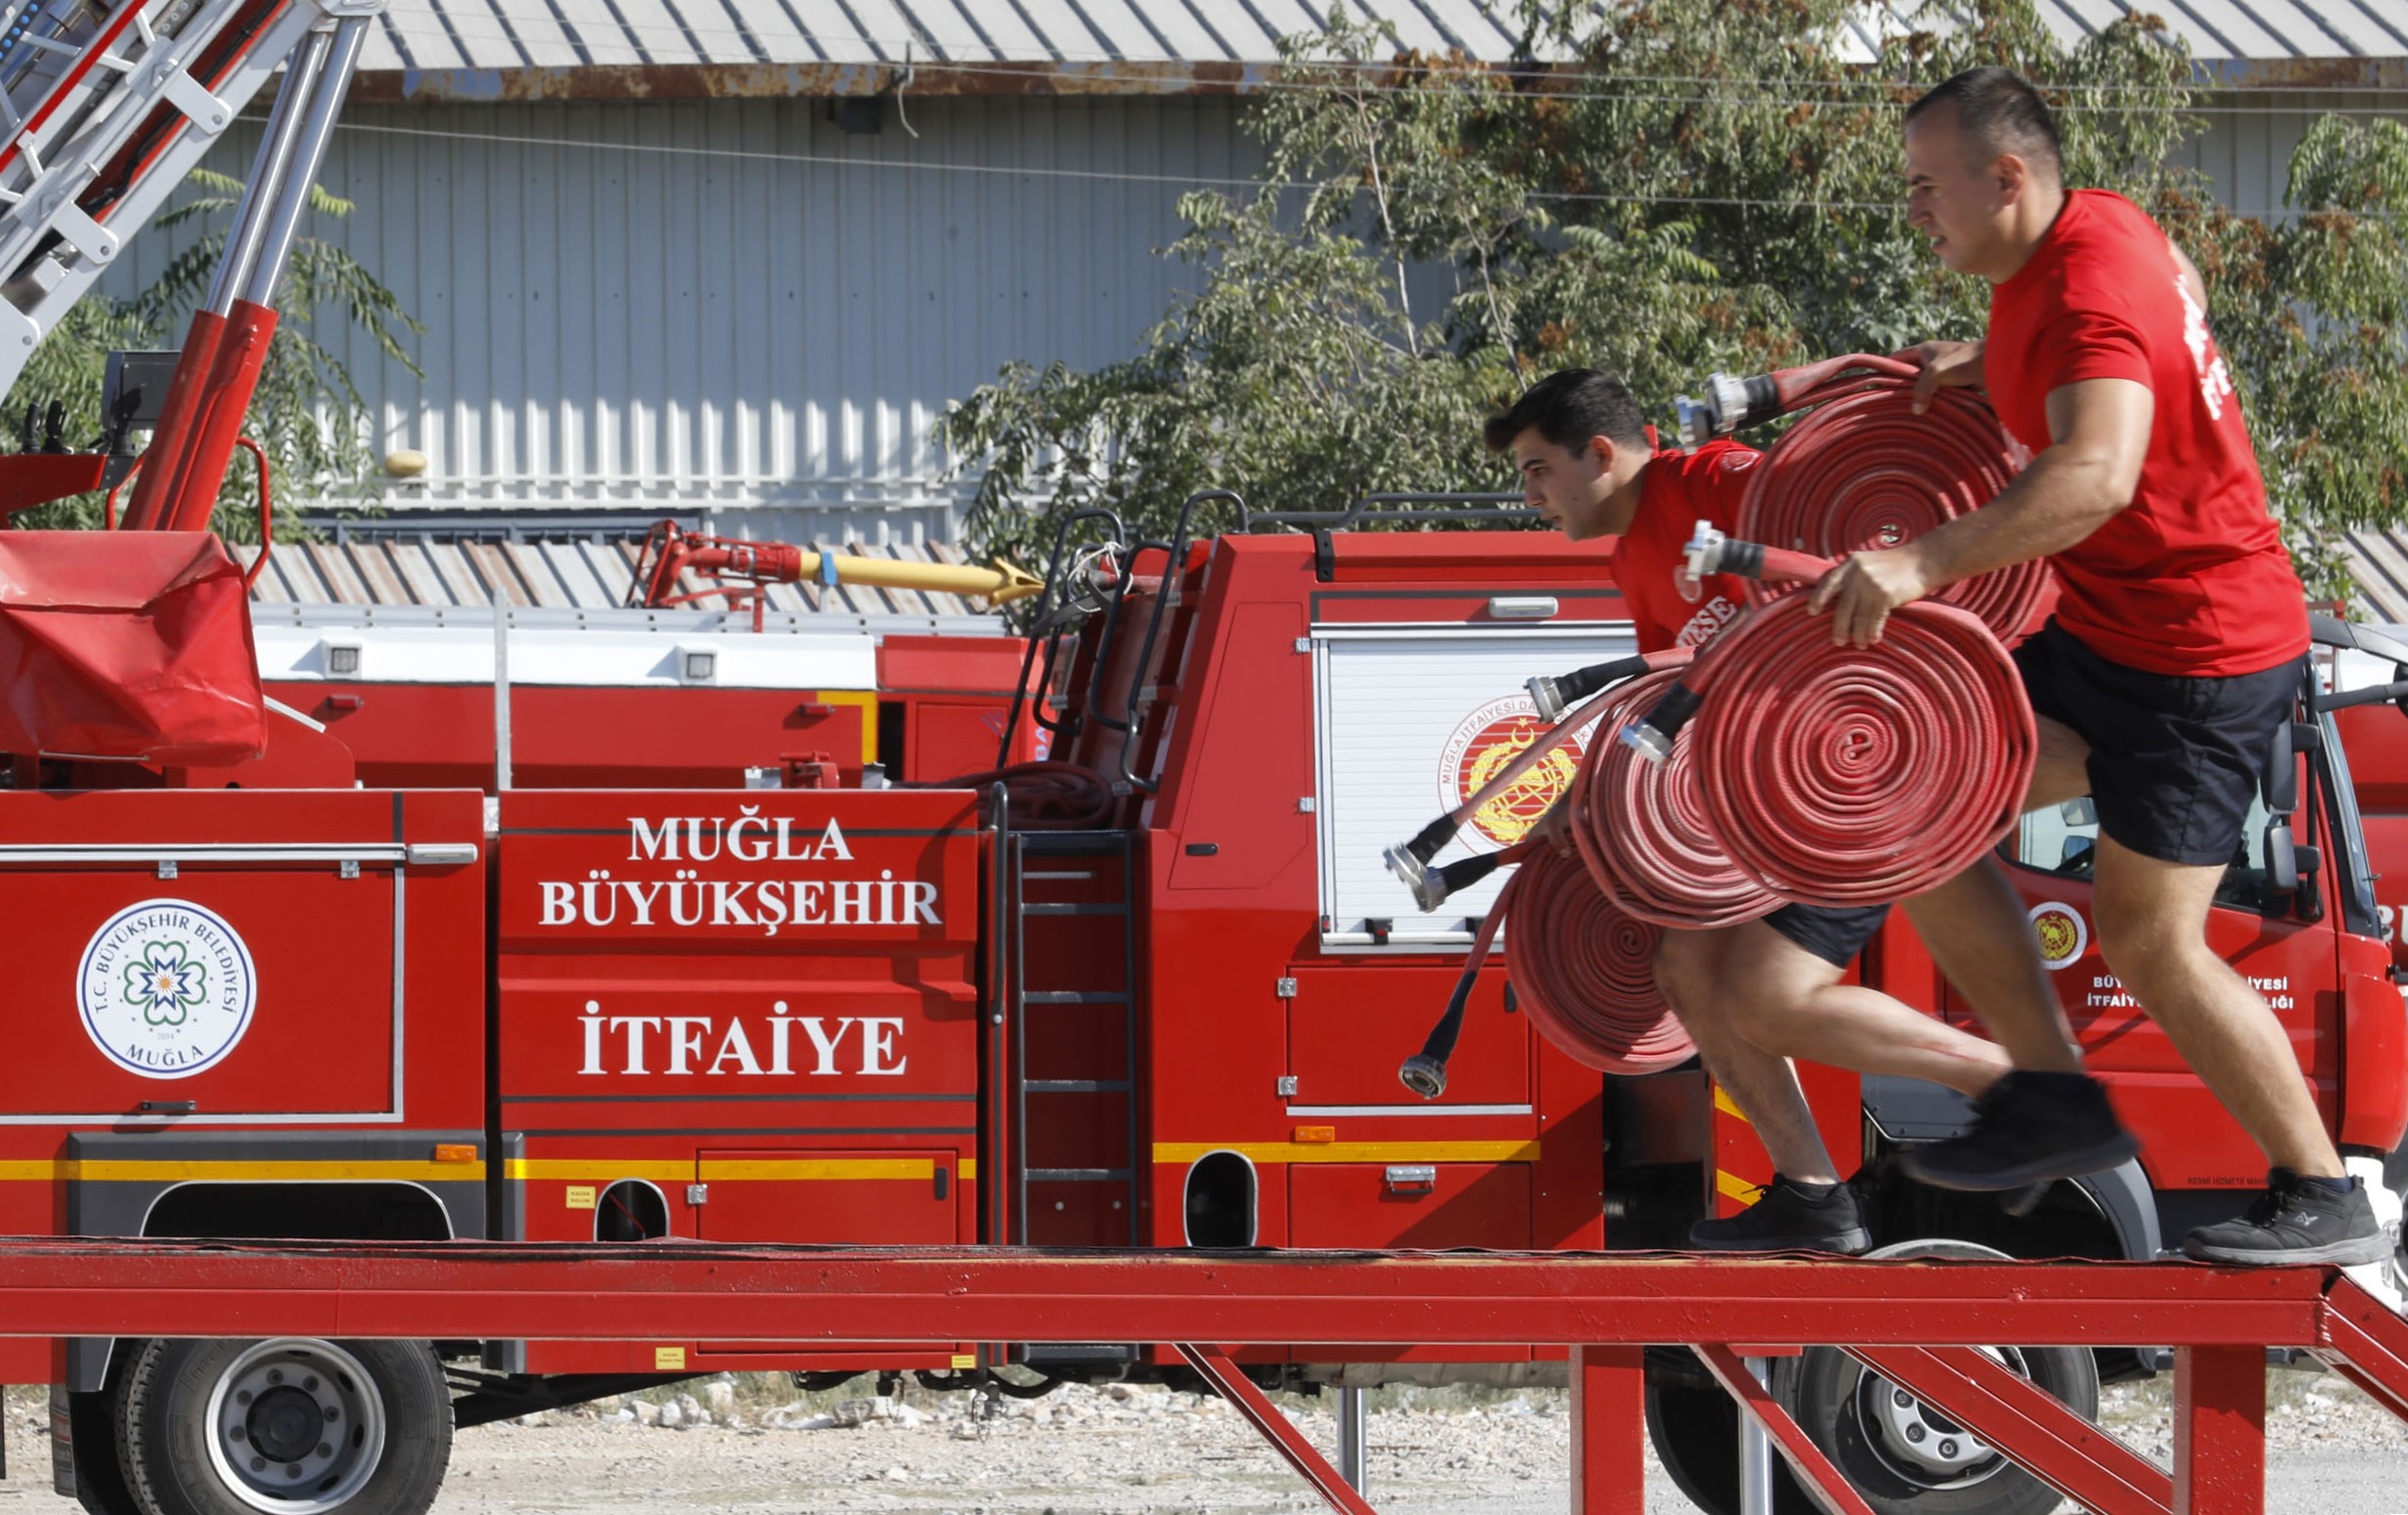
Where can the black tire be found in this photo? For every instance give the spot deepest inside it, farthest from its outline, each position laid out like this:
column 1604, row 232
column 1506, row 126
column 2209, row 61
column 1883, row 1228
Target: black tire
column 363, row 1427
column 1696, row 1428
column 1912, row 1460
column 1835, row 1395
column 100, row 1476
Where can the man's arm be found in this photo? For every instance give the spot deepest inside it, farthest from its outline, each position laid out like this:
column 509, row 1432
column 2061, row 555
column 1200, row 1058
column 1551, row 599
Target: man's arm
column 2099, row 433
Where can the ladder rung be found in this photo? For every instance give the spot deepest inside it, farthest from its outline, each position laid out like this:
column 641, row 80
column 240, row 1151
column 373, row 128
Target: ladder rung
column 1076, row 1085
column 1079, row 1175
column 1074, row 909
column 1068, row 996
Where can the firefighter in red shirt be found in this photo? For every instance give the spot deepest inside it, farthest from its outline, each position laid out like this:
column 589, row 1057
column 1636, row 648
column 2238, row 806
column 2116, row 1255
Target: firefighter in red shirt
column 2174, row 657
column 1753, row 994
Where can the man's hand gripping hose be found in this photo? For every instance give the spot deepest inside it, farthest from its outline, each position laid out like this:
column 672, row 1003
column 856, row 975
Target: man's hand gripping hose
column 1841, row 776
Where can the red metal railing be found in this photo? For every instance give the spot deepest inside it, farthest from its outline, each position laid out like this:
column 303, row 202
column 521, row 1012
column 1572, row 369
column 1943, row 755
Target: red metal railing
column 1889, row 1315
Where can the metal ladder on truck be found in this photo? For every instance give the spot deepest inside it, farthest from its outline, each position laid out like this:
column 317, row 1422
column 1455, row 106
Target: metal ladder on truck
column 102, row 113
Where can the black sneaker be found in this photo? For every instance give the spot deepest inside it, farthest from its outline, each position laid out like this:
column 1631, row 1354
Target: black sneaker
column 2028, row 1128
column 1789, row 1218
column 2295, row 1221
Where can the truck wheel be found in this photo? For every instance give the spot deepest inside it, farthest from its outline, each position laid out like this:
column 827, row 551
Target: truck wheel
column 100, row 1477
column 285, row 1426
column 1696, row 1428
column 1906, row 1458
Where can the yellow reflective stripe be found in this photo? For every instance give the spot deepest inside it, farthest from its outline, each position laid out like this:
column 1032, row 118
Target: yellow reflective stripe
column 1730, row 1186
column 598, row 1168
column 732, row 1170
column 968, row 1167
column 1723, row 1103
column 112, row 1171
column 1354, row 1152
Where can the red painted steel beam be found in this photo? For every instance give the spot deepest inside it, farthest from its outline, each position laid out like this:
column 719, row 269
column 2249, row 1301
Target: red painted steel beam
column 2219, row 1431
column 2367, row 1344
column 1233, row 1385
column 1609, row 1408
column 1806, row 1459
column 2052, row 1443
column 698, row 1290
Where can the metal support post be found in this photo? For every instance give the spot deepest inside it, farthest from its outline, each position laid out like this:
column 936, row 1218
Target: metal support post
column 501, row 692
column 1231, row 1383
column 1756, row 1450
column 1609, row 1410
column 2219, row 1430
column 1354, row 1437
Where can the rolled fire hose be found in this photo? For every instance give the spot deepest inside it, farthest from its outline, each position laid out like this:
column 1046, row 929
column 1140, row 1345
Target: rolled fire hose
column 1646, row 832
column 1861, row 471
column 1583, row 969
column 1847, row 777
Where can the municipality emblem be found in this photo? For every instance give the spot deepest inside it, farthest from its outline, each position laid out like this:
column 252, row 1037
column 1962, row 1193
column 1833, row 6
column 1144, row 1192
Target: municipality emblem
column 1480, row 747
column 166, row 988
column 2064, row 936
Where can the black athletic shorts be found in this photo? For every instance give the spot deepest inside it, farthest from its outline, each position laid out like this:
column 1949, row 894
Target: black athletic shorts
column 1833, row 933
column 2174, row 761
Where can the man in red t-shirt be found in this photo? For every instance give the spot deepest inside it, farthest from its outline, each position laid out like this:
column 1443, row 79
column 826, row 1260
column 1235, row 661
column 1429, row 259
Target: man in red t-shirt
column 1751, row 995
column 2175, row 655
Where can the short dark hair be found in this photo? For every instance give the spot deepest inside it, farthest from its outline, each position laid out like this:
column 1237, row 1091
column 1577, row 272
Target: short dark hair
column 1998, row 113
column 1568, row 408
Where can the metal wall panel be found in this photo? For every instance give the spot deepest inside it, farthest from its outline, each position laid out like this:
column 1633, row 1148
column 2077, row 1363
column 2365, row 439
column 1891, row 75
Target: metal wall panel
column 656, row 303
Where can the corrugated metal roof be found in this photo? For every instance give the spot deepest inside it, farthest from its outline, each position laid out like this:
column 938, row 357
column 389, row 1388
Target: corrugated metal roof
column 575, row 574
column 528, row 49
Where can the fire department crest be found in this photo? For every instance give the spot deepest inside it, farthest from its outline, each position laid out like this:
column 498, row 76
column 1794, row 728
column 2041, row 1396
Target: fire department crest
column 1479, row 749
column 2062, row 934
column 166, row 988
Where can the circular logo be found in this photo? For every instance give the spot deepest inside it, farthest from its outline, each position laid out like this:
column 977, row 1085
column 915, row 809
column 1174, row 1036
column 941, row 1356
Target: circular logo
column 166, row 988
column 2062, row 935
column 1480, row 747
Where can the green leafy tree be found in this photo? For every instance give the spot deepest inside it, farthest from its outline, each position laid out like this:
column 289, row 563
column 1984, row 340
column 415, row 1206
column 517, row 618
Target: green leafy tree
column 1697, row 184
column 307, row 414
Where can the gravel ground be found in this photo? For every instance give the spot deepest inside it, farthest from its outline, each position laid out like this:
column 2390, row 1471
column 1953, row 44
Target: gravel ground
column 750, row 1445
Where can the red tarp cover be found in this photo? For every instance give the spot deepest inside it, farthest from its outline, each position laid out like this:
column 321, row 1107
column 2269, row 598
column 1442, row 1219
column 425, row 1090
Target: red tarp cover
column 127, row 645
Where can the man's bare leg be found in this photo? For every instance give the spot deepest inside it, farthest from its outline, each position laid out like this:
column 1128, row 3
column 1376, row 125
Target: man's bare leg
column 1789, row 1003
column 1975, row 929
column 2152, row 930
column 2058, row 1122
column 1760, row 1084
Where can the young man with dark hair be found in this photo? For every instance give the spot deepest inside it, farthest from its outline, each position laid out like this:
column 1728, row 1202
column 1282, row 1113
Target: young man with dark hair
column 2172, row 664
column 1753, row 994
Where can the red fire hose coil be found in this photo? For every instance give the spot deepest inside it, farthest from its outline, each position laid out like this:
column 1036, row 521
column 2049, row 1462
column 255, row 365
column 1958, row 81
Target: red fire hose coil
column 1862, row 471
column 1645, row 831
column 1841, row 777
column 1584, row 970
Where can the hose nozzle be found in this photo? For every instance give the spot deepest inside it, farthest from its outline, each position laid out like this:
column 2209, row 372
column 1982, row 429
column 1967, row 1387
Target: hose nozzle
column 1438, row 883
column 1711, row 551
column 1651, row 735
column 1547, row 694
column 1696, row 420
column 1424, row 1074
column 1556, row 694
column 1410, row 860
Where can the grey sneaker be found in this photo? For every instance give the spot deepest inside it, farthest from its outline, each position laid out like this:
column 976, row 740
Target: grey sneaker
column 2295, row 1221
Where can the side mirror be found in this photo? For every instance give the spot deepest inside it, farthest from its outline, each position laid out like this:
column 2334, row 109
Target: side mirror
column 2282, row 858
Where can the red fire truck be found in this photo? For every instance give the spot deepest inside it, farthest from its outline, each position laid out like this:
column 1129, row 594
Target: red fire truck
column 649, row 934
